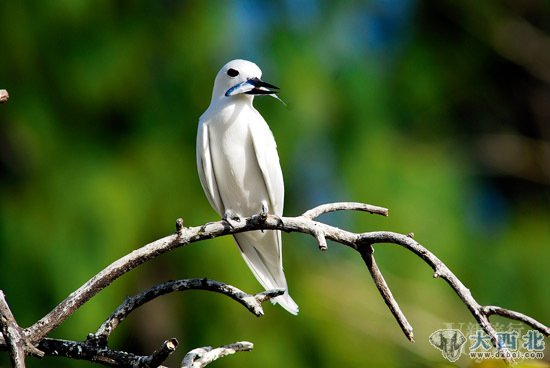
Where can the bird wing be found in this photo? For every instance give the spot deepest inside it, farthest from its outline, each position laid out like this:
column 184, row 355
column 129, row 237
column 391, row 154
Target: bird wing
column 267, row 157
column 262, row 251
column 206, row 169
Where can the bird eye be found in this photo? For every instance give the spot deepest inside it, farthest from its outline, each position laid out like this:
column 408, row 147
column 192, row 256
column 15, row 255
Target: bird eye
column 232, row 72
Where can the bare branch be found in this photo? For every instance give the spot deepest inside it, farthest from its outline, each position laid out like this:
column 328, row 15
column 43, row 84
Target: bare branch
column 321, row 240
column 490, row 310
column 97, row 283
column 344, row 206
column 89, row 350
column 161, row 354
column 268, row 295
column 367, row 252
column 184, row 236
column 441, row 270
column 361, row 242
column 201, row 357
column 95, row 347
column 12, row 334
column 251, row 302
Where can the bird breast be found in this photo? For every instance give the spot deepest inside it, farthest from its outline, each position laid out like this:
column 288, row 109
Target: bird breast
column 240, row 181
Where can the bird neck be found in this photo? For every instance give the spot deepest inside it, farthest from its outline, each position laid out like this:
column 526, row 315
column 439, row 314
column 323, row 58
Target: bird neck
column 222, row 101
column 223, row 109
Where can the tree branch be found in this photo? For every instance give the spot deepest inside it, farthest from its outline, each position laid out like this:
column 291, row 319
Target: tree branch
column 201, row 357
column 12, row 336
column 344, row 206
column 441, row 270
column 251, row 302
column 367, row 252
column 95, row 348
column 183, row 237
column 362, row 243
column 90, row 351
column 490, row 310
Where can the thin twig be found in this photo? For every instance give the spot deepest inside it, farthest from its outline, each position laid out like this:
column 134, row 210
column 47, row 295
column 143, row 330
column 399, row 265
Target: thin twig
column 367, row 252
column 161, row 354
column 201, row 357
column 489, row 310
column 344, row 206
column 321, row 240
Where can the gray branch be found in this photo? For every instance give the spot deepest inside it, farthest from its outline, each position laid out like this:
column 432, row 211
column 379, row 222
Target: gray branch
column 344, row 206
column 95, row 348
column 201, row 357
column 251, row 302
column 306, row 223
column 12, row 334
column 367, row 252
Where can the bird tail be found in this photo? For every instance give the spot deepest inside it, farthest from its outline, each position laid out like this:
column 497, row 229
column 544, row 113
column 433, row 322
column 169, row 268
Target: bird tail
column 262, row 253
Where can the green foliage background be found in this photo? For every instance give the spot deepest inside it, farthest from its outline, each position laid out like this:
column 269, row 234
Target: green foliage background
column 438, row 110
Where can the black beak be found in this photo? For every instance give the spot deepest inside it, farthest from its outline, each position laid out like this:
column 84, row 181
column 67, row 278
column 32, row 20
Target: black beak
column 253, row 86
column 261, row 87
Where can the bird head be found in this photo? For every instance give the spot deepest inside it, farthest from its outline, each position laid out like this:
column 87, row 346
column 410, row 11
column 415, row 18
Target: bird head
column 241, row 77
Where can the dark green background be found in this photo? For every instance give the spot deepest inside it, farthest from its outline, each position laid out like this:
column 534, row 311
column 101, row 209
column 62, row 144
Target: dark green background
column 438, row 110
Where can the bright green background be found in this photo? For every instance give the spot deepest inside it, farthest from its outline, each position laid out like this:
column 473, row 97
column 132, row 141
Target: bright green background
column 438, row 110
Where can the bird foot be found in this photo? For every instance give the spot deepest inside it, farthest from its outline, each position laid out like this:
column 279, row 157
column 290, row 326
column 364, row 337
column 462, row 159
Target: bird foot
column 230, row 216
column 263, row 215
column 263, row 212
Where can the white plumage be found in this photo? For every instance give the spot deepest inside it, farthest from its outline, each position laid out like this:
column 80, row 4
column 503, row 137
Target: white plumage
column 239, row 168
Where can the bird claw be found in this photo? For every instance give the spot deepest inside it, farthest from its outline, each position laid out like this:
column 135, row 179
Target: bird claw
column 229, row 216
column 263, row 212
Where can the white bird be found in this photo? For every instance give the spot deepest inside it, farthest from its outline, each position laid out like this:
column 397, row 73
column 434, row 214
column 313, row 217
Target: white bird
column 239, row 168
